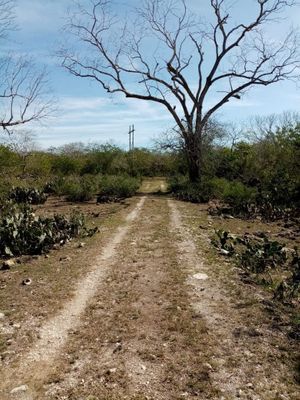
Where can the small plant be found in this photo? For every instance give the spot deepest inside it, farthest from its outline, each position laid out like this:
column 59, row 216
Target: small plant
column 27, row 195
column 260, row 256
column 22, row 232
column 290, row 287
column 224, row 241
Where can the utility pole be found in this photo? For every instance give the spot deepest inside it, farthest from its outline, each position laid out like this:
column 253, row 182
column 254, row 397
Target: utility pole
column 131, row 137
column 130, row 143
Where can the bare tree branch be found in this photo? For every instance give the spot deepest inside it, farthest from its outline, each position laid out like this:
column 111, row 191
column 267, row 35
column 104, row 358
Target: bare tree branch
column 7, row 17
column 23, row 96
column 23, row 93
column 170, row 58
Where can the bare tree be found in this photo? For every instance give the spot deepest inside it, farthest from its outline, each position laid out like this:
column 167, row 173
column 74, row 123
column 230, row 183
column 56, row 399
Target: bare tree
column 22, row 142
column 193, row 68
column 6, row 17
column 23, row 87
column 266, row 127
column 169, row 141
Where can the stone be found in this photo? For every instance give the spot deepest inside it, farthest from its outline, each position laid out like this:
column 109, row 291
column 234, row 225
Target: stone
column 224, row 252
column 19, row 389
column 118, row 347
column 27, row 282
column 81, row 245
column 65, row 258
column 2, row 315
column 201, row 277
column 7, row 264
column 208, row 366
column 228, row 216
column 111, row 371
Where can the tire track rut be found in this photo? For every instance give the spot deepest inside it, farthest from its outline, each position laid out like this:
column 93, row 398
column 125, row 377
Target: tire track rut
column 54, row 334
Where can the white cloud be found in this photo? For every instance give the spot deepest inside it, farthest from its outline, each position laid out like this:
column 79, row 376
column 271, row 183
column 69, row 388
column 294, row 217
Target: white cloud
column 41, row 16
column 82, row 103
column 102, row 119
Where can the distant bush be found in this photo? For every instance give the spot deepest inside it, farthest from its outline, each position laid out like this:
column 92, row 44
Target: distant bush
column 234, row 193
column 117, row 187
column 65, row 165
column 239, row 197
column 21, row 232
column 27, row 195
column 183, row 189
column 82, row 190
column 75, row 188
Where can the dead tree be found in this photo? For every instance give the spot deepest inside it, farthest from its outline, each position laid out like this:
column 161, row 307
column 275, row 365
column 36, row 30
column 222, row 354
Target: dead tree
column 190, row 67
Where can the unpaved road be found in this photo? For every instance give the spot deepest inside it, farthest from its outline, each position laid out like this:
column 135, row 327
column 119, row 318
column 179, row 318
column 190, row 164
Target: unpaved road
column 155, row 317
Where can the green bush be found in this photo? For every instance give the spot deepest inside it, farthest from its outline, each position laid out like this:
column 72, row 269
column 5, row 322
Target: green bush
column 184, row 190
column 234, row 193
column 21, row 232
column 65, row 165
column 27, row 195
column 260, row 255
column 83, row 190
column 75, row 188
column 238, row 196
column 117, row 187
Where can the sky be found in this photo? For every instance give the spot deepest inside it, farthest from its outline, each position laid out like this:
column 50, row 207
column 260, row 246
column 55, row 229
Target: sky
column 86, row 113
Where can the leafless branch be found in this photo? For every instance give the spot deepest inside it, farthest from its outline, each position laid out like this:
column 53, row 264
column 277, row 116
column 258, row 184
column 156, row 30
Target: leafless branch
column 7, row 17
column 163, row 57
column 23, row 96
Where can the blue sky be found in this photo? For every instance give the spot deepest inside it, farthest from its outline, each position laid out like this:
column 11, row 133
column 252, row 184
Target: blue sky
column 88, row 114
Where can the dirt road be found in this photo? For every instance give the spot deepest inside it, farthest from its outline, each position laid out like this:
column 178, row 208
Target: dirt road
column 155, row 316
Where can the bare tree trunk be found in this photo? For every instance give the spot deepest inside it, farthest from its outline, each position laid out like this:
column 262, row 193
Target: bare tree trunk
column 194, row 156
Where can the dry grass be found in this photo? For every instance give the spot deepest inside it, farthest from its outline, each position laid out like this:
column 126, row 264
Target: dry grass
column 53, row 279
column 144, row 306
column 148, row 334
column 255, row 327
column 154, row 185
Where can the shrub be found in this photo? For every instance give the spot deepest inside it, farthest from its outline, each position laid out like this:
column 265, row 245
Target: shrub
column 290, row 286
column 239, row 196
column 27, row 195
column 255, row 255
column 65, row 165
column 117, row 187
column 260, row 256
column 77, row 189
column 83, row 190
column 21, row 232
column 183, row 189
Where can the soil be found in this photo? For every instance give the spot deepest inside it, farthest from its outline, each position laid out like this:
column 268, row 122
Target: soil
column 147, row 309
